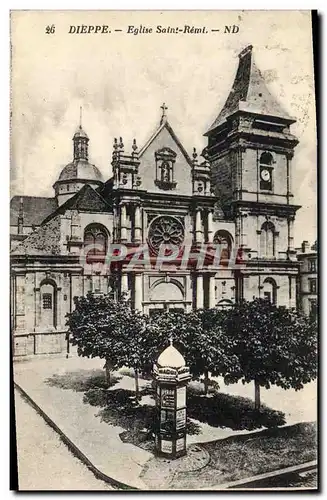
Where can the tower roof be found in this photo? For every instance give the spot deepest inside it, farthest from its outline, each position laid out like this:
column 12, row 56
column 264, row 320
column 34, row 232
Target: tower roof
column 80, row 169
column 80, row 133
column 249, row 93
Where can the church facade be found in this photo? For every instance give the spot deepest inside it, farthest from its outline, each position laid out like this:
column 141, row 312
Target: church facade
column 235, row 197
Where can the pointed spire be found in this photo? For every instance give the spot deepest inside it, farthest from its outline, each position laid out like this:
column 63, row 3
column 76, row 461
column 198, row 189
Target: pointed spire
column 195, row 156
column 121, row 145
column 135, row 150
column 170, row 340
column 249, row 93
column 163, row 116
column 80, row 117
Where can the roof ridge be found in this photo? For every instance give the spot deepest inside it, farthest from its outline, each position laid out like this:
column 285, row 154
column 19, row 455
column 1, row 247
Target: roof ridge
column 165, row 124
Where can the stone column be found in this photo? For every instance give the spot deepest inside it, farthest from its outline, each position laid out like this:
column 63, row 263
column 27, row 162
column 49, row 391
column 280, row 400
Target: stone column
column 210, row 226
column 212, row 291
column 138, row 224
column 291, row 234
column 198, row 227
column 199, row 291
column 124, row 283
column 37, row 299
column 138, row 292
column 123, row 222
column 59, row 319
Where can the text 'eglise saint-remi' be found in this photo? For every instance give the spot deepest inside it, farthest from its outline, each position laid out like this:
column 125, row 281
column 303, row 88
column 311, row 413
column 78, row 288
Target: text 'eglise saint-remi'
column 136, row 30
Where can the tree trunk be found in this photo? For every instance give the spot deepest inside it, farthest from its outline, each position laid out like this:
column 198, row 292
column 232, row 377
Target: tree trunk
column 107, row 367
column 206, row 382
column 137, row 388
column 256, row 395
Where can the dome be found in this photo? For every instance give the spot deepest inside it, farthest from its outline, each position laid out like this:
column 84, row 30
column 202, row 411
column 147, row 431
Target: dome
column 80, row 133
column 171, row 358
column 80, row 170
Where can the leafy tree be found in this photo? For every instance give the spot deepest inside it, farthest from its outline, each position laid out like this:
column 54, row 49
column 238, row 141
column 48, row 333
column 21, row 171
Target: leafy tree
column 103, row 327
column 198, row 335
column 274, row 345
column 206, row 347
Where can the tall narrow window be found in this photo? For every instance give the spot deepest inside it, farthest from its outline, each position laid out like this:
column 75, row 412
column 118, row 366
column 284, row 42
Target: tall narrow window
column 225, row 241
column 313, row 266
column 267, row 241
column 313, row 285
column 48, row 313
column 270, row 290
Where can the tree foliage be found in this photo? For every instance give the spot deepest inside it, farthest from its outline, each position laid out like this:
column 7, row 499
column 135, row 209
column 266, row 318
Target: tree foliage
column 254, row 341
column 274, row 345
column 105, row 328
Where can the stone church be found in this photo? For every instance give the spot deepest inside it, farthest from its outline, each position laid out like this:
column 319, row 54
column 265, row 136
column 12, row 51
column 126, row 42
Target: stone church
column 237, row 194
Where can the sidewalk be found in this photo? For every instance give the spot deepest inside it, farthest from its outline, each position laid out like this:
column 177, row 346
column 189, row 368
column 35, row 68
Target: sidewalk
column 96, row 440
column 97, row 443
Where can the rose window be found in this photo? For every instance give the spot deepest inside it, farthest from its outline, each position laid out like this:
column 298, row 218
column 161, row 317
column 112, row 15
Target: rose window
column 165, row 230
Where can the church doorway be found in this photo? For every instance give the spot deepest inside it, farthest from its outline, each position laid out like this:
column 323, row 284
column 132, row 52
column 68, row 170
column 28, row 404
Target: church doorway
column 166, row 296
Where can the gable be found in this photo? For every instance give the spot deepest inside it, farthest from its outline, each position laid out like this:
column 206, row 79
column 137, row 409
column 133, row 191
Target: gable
column 86, row 200
column 165, row 145
column 45, row 240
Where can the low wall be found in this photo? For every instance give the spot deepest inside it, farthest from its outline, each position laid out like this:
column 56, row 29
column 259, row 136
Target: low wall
column 39, row 343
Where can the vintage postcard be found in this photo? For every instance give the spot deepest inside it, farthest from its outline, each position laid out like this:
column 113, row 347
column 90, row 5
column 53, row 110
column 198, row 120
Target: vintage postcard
column 163, row 250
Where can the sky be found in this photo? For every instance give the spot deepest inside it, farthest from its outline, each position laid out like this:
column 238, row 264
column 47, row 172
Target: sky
column 121, row 80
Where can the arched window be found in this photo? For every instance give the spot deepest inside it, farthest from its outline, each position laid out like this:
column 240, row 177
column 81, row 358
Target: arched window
column 267, row 241
column 48, row 297
column 225, row 241
column 266, row 171
column 270, row 290
column 96, row 238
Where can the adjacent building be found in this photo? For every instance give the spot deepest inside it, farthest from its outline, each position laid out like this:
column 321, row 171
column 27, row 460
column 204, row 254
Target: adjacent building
column 308, row 281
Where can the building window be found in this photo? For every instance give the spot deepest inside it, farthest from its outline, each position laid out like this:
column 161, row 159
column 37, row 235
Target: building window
column 225, row 241
column 266, row 171
column 165, row 230
column 270, row 290
column 267, row 241
column 313, row 285
column 48, row 295
column 47, row 301
column 313, row 309
column 96, row 239
column 313, row 266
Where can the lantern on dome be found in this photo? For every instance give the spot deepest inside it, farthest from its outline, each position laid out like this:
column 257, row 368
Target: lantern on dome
column 171, row 377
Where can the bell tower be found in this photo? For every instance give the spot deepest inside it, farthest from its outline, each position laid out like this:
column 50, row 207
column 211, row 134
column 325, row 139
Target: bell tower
column 250, row 150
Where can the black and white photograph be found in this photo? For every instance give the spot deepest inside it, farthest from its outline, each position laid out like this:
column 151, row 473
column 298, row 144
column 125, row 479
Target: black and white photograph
column 164, row 250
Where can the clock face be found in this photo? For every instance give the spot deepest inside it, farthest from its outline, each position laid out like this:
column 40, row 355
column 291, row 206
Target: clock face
column 265, row 175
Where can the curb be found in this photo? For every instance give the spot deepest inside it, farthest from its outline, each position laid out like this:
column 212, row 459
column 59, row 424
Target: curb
column 253, row 479
column 245, row 482
column 73, row 448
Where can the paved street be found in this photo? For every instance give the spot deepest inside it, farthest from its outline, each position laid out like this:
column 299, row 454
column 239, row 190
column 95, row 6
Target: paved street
column 44, row 461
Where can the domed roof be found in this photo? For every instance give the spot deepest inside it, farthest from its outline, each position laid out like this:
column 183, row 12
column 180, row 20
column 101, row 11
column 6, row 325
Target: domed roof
column 80, row 133
column 80, row 169
column 171, row 358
